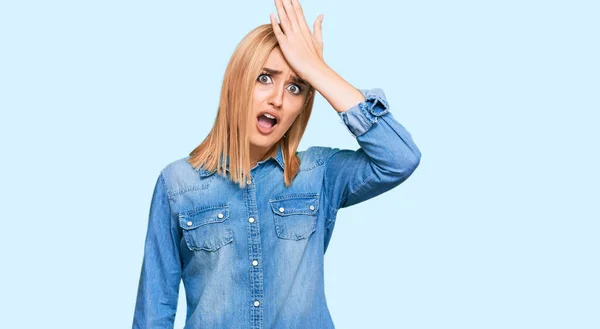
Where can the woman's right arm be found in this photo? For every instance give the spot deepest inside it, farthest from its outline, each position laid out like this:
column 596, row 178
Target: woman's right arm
column 160, row 276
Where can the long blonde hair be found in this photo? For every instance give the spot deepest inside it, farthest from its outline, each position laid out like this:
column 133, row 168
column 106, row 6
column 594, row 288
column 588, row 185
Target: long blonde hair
column 229, row 136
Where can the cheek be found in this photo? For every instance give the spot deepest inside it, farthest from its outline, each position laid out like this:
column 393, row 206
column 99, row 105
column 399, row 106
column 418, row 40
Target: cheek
column 259, row 96
column 290, row 120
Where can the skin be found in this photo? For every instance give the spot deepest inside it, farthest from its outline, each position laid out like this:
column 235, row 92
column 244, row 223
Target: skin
column 277, row 93
column 302, row 55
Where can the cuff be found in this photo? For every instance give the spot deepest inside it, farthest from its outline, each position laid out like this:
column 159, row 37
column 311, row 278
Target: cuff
column 361, row 117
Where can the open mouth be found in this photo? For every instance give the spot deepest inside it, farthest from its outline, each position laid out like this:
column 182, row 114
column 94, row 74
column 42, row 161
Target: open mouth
column 266, row 121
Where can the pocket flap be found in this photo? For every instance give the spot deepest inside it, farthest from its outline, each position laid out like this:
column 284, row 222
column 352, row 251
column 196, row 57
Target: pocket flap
column 303, row 203
column 214, row 214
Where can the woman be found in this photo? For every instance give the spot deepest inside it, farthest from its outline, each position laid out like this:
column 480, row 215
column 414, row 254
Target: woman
column 245, row 219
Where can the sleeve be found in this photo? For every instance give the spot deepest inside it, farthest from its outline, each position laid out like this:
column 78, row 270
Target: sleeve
column 160, row 276
column 387, row 155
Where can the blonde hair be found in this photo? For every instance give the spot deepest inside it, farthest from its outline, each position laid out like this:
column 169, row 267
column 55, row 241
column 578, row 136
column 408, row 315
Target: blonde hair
column 229, row 135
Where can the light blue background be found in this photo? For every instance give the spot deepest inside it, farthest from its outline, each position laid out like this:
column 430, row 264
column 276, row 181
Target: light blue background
column 497, row 228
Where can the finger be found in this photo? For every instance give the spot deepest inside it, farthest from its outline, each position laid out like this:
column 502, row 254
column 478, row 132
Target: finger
column 304, row 29
column 291, row 14
column 317, row 36
column 301, row 19
column 276, row 28
column 283, row 18
column 318, row 29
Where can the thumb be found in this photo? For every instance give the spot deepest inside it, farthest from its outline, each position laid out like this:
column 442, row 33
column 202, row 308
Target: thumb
column 318, row 32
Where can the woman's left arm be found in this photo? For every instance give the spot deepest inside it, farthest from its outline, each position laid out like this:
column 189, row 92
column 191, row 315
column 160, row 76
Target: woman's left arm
column 387, row 155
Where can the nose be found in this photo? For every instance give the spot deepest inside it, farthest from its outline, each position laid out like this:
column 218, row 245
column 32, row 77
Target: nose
column 276, row 97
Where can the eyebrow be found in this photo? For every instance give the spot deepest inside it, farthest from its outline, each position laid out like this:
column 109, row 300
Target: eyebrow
column 294, row 77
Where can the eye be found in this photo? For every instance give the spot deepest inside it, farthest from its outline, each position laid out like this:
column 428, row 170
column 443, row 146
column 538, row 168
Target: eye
column 264, row 75
column 299, row 89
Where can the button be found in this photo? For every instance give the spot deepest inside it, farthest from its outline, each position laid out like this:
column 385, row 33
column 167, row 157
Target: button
column 249, row 182
column 251, row 219
column 220, row 215
column 255, row 262
column 189, row 223
column 281, row 209
column 256, row 303
column 312, row 207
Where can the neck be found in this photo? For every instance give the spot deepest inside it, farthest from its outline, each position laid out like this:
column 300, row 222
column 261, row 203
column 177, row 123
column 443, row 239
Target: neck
column 257, row 155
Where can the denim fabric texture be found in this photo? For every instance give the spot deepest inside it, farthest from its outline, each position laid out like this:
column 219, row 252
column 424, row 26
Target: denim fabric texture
column 253, row 258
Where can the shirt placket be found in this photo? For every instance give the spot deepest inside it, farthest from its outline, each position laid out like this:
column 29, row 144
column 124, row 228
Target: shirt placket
column 255, row 256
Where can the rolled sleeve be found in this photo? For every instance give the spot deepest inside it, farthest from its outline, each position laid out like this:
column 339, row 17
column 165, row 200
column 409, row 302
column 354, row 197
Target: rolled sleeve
column 387, row 155
column 360, row 118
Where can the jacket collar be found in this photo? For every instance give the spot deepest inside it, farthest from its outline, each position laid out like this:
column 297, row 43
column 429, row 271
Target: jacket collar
column 278, row 159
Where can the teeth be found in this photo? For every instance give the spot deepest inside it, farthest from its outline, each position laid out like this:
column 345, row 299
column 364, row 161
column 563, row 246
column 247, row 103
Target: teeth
column 269, row 116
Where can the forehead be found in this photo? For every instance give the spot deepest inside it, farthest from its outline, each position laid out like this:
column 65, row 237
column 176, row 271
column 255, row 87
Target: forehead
column 277, row 61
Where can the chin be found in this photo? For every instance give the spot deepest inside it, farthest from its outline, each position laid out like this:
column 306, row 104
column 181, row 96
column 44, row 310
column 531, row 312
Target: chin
column 263, row 143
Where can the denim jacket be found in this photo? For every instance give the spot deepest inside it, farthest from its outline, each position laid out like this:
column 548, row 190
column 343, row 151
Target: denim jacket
column 253, row 257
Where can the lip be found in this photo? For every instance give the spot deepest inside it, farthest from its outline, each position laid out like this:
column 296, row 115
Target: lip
column 273, row 113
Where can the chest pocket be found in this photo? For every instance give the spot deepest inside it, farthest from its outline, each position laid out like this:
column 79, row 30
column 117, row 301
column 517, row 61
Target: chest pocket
column 207, row 228
column 295, row 216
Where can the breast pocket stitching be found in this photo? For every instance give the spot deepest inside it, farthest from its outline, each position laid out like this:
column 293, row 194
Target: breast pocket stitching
column 206, row 228
column 295, row 215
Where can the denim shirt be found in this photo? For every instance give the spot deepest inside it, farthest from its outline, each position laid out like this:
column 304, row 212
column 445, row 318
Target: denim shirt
column 253, row 257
